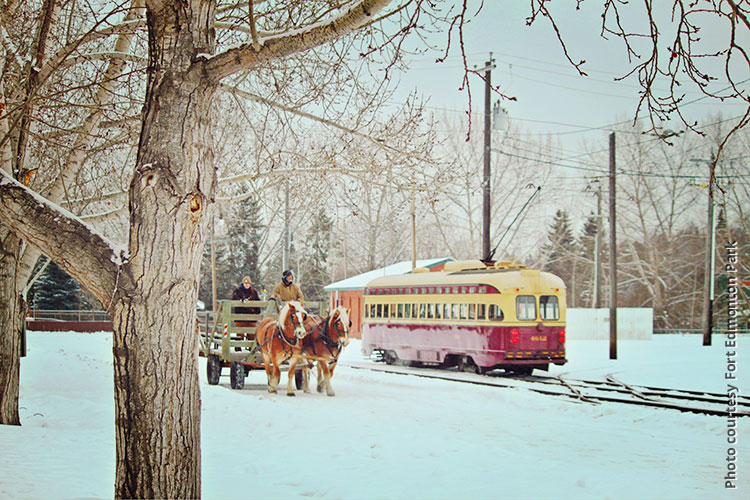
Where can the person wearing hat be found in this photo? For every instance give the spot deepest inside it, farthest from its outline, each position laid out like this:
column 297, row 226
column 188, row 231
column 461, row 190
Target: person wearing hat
column 288, row 290
column 246, row 292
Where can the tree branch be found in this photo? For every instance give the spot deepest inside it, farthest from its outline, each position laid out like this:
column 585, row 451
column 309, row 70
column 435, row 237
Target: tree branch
column 56, row 232
column 245, row 56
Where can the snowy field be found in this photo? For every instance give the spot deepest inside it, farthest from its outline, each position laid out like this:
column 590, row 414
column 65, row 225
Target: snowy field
column 393, row 437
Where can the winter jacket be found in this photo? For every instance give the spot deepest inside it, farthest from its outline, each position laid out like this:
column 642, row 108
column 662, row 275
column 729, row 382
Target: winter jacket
column 243, row 293
column 285, row 293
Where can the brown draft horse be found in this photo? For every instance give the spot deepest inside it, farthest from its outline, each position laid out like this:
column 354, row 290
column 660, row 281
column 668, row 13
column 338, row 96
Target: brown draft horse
column 326, row 337
column 281, row 340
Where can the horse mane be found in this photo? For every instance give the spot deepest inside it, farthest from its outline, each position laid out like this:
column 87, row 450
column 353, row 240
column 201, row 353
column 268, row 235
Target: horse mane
column 285, row 310
column 342, row 312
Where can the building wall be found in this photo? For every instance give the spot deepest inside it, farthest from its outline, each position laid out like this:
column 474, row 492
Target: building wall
column 353, row 300
column 633, row 323
column 42, row 325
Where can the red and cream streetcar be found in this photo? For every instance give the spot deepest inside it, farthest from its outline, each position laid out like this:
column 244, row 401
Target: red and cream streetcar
column 471, row 315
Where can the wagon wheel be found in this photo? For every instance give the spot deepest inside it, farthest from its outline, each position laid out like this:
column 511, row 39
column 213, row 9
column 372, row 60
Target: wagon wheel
column 299, row 379
column 479, row 370
column 237, row 375
column 213, row 369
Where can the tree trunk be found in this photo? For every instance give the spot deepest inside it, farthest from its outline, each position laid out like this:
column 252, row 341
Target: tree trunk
column 12, row 316
column 157, row 393
column 151, row 290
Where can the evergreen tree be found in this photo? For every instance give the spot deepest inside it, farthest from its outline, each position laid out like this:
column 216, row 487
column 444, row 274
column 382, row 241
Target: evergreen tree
column 237, row 254
column 315, row 258
column 587, row 245
column 57, row 290
column 560, row 253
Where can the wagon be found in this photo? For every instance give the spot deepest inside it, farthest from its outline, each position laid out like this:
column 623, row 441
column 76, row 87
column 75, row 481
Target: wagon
column 228, row 342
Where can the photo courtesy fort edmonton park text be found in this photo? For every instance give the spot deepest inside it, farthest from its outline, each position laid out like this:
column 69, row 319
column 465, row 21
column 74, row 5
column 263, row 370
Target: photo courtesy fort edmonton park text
column 730, row 479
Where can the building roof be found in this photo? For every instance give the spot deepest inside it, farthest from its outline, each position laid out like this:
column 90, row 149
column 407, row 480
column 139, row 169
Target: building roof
column 361, row 280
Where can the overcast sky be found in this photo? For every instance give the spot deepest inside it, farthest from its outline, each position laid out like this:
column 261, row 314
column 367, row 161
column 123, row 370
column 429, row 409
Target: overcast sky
column 530, row 65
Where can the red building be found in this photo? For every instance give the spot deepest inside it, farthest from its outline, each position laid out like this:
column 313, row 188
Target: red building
column 348, row 292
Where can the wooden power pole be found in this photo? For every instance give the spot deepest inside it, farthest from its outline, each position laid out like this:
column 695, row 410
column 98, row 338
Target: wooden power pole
column 486, row 202
column 612, row 253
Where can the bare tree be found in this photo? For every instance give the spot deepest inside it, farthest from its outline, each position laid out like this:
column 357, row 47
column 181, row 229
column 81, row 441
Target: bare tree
column 40, row 109
column 150, row 287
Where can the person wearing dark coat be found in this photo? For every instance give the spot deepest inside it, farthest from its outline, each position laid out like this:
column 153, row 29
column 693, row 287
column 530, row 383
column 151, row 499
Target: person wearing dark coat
column 246, row 292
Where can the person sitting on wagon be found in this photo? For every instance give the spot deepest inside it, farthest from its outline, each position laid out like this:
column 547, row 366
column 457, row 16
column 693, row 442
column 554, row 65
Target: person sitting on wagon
column 288, row 290
column 244, row 293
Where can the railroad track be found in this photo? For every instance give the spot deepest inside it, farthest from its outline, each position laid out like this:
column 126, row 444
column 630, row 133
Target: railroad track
column 610, row 390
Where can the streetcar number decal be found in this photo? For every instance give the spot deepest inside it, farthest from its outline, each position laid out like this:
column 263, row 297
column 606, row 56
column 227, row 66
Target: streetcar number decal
column 538, row 338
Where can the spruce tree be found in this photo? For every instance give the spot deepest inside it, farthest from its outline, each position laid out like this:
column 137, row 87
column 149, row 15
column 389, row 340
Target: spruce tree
column 560, row 253
column 237, row 254
column 57, row 290
column 317, row 246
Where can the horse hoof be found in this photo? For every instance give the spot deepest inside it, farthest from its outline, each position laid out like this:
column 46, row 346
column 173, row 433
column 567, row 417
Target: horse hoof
column 273, row 391
column 320, row 388
column 331, row 393
column 290, row 394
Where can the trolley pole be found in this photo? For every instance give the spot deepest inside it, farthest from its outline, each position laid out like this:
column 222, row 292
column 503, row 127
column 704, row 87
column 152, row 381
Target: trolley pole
column 612, row 252
column 488, row 67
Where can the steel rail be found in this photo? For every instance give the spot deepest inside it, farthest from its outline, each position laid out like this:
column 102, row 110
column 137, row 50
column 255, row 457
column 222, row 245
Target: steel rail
column 528, row 383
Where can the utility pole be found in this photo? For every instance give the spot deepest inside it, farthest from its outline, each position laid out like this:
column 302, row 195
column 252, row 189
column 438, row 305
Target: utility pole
column 285, row 248
column 413, row 229
column 213, row 266
column 488, row 67
column 597, row 246
column 612, row 253
column 708, row 284
column 708, row 300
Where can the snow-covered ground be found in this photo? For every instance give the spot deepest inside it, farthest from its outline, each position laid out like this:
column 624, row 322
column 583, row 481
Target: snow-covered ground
column 392, row 437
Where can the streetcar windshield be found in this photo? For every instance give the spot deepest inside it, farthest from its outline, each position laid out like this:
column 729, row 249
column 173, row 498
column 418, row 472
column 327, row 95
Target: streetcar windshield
column 526, row 307
column 549, row 307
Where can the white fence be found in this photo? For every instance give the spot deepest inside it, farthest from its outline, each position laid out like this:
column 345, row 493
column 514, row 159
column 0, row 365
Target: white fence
column 633, row 323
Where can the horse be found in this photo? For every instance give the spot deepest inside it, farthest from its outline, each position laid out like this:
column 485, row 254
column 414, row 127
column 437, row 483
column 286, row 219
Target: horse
column 281, row 340
column 326, row 337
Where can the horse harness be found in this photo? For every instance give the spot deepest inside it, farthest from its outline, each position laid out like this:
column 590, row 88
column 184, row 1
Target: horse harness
column 328, row 342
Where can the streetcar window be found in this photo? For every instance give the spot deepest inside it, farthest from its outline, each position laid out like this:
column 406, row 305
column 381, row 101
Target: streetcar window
column 549, row 307
column 379, row 312
column 481, row 311
column 446, row 311
column 464, row 310
column 400, row 311
column 472, row 311
column 430, row 311
column 372, row 311
column 495, row 313
column 407, row 310
column 526, row 307
column 422, row 311
column 454, row 311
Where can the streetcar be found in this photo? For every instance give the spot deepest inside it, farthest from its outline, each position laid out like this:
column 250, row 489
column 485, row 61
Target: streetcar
column 470, row 315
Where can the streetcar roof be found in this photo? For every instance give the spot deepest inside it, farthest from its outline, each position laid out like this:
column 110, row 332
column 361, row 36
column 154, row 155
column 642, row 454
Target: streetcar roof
column 360, row 281
column 528, row 280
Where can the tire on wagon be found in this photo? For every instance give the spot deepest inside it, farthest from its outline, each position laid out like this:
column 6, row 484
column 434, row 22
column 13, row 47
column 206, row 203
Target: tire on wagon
column 213, row 369
column 237, row 375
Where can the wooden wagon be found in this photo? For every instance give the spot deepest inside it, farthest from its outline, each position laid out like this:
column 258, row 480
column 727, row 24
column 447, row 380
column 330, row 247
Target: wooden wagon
column 229, row 341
